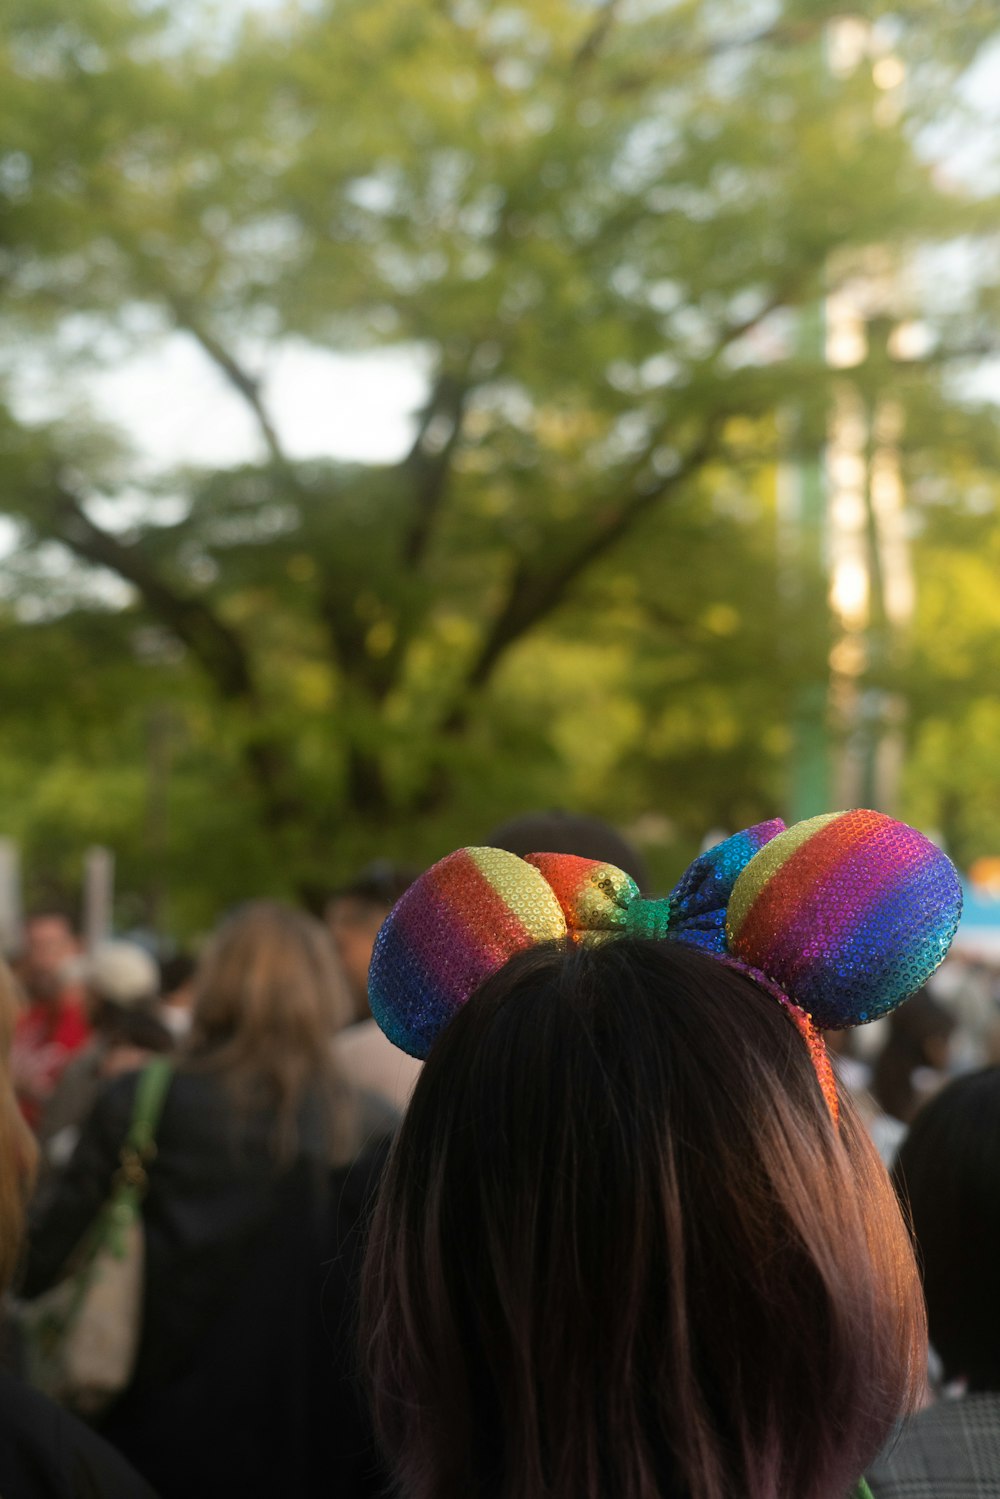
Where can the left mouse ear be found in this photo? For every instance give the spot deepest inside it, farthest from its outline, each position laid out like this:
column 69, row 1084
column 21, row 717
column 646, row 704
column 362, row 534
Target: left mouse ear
column 848, row 913
column 453, row 928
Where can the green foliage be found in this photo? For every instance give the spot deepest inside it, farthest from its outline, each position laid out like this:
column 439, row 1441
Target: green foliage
column 595, row 225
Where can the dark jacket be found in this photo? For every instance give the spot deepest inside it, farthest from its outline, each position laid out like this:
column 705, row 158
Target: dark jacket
column 948, row 1451
column 244, row 1381
column 45, row 1453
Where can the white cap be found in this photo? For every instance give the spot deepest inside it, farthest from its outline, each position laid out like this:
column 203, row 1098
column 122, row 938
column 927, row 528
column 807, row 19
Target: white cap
column 121, row 972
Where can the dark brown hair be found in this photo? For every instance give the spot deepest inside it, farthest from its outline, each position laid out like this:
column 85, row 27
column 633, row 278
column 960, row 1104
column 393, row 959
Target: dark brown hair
column 378, row 886
column 622, row 1251
column 948, row 1172
column 918, row 1031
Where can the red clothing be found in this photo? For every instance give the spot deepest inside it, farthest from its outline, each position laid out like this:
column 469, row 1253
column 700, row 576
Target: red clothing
column 45, row 1037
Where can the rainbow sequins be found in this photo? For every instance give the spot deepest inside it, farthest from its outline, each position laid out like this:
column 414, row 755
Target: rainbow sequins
column 848, row 913
column 840, row 918
column 458, row 924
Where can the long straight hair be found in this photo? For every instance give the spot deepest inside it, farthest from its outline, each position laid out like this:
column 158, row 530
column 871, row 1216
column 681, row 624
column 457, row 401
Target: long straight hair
column 623, row 1252
column 18, row 1150
column 269, row 997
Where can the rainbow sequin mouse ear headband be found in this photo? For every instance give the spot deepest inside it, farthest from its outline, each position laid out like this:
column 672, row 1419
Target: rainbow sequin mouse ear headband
column 841, row 918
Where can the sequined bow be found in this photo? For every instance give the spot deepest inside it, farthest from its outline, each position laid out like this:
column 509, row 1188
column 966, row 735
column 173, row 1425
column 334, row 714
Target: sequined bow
column 841, row 917
column 599, row 900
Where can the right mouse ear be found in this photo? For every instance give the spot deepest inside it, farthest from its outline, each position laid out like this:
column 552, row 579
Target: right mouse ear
column 455, row 927
column 699, row 899
column 848, row 913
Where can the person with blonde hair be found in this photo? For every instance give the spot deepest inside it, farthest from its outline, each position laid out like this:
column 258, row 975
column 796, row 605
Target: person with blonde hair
column 240, row 1385
column 45, row 1453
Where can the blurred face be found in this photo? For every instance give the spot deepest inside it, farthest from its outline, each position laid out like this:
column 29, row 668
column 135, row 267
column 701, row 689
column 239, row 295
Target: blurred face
column 354, row 925
column 49, row 946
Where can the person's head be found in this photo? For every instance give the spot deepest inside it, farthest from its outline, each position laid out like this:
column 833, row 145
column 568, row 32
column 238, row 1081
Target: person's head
column 269, row 997
column 120, row 980
column 177, row 976
column 118, row 975
column 918, row 1042
column 177, row 980
column 632, row 1240
column 559, row 832
column 51, row 947
column 354, row 914
column 18, row 1150
column 947, row 1172
column 622, row 1248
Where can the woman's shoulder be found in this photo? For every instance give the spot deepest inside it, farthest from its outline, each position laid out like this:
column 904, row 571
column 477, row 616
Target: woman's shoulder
column 45, row 1453
column 185, row 1089
column 940, row 1448
column 201, row 1114
column 191, row 1114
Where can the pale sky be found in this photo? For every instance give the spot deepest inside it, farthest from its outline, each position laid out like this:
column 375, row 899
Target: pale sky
column 179, row 409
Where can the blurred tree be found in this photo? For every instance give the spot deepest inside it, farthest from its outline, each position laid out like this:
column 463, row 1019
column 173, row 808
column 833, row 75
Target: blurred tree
column 592, row 225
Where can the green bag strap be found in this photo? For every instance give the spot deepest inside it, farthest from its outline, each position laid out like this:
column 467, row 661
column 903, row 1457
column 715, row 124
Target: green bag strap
column 128, row 1186
column 150, row 1094
column 863, row 1491
column 139, row 1145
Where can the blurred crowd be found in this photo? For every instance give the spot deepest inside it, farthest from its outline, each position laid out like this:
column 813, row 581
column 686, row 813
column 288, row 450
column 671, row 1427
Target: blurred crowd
column 283, row 1099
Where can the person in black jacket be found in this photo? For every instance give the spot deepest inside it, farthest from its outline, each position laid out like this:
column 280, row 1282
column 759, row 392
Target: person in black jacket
column 45, row 1453
column 946, row 1174
column 244, row 1380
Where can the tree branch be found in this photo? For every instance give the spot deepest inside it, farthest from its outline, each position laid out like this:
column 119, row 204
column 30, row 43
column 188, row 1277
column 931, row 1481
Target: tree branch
column 533, row 596
column 592, row 43
column 245, row 384
column 185, row 316
column 217, row 648
column 780, row 33
column 429, row 460
column 428, row 463
column 344, row 644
